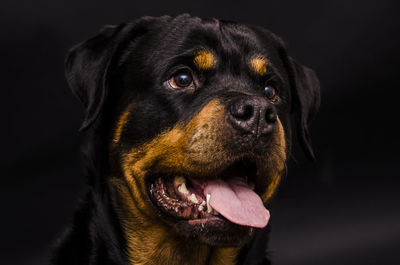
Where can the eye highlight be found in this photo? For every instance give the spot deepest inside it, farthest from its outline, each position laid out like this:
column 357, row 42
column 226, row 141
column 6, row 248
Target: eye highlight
column 270, row 93
column 181, row 80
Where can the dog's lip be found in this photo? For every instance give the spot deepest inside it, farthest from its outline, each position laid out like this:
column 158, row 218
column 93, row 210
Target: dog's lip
column 204, row 220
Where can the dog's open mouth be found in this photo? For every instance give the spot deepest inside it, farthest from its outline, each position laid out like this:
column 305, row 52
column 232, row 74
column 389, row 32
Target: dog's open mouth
column 229, row 196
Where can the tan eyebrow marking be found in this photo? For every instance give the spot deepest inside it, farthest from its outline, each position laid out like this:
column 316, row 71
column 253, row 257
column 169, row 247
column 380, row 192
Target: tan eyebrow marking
column 259, row 65
column 205, row 60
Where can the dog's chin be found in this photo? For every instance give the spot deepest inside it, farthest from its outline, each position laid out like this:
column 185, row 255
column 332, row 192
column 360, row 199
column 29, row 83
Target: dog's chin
column 182, row 202
column 215, row 231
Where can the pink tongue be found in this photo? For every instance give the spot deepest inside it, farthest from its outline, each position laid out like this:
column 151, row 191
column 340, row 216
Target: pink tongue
column 237, row 202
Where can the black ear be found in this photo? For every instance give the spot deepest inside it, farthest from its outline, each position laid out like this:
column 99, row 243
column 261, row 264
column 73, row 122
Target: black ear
column 90, row 64
column 306, row 101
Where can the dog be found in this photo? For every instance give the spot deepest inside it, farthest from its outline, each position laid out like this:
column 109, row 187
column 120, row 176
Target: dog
column 188, row 128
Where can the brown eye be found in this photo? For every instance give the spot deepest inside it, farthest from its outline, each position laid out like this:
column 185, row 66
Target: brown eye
column 181, row 80
column 270, row 93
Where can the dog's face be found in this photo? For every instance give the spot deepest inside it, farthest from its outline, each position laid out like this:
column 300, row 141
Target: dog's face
column 196, row 120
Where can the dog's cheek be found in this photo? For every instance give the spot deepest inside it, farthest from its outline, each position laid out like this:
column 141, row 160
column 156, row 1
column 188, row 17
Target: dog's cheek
column 276, row 161
column 194, row 147
column 133, row 188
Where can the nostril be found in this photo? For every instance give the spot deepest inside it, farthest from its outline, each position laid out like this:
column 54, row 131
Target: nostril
column 248, row 112
column 243, row 112
column 270, row 115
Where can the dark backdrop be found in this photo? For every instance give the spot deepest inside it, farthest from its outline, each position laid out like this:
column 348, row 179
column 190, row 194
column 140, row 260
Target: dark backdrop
column 343, row 209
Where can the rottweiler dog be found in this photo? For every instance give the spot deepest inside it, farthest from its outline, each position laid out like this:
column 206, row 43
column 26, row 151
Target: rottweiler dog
column 188, row 129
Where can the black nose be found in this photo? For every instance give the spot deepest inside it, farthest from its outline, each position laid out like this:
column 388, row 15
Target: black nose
column 252, row 115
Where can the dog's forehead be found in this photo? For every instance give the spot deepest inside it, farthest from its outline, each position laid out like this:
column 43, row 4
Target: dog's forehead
column 215, row 40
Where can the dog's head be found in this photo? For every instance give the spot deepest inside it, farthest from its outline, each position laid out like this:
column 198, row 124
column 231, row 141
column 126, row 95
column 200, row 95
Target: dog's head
column 195, row 117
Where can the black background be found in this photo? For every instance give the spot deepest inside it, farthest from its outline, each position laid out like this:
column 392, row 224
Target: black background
column 343, row 209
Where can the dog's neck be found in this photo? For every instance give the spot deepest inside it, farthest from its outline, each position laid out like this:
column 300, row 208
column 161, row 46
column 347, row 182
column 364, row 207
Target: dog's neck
column 166, row 248
column 150, row 241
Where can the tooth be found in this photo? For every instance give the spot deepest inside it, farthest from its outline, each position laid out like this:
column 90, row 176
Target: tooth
column 209, row 208
column 193, row 198
column 179, row 180
column 182, row 188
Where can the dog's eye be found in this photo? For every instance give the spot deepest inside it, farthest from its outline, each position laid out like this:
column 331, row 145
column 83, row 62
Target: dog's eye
column 180, row 80
column 270, row 93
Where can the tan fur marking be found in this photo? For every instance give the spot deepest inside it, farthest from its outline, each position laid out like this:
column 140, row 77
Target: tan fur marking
column 120, row 126
column 259, row 65
column 205, row 60
column 277, row 159
column 224, row 256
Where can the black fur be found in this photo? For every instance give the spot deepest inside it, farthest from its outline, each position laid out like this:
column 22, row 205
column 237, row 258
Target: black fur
column 127, row 65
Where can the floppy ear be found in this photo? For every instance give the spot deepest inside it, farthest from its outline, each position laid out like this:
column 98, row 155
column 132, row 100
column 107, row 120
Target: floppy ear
column 306, row 101
column 90, row 64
